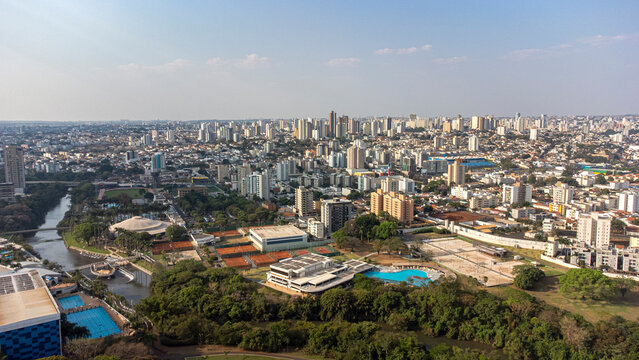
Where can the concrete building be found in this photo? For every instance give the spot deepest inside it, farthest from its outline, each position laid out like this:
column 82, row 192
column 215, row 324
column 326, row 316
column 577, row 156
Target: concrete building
column 473, row 143
column 29, row 317
column 355, row 158
column 456, row 173
column 222, row 173
column 517, row 193
column 158, row 162
column 258, row 184
column 313, row 273
column 276, row 238
column 562, row 193
column 629, row 201
column 7, row 192
column 483, row 201
column 594, row 229
column 399, row 206
column 14, row 167
column 316, row 228
column 335, row 213
column 304, row 201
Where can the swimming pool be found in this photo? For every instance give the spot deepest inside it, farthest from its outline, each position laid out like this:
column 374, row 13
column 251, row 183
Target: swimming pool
column 71, row 302
column 411, row 276
column 96, row 320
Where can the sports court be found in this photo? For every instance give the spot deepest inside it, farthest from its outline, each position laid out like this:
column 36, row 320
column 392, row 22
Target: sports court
column 96, row 320
column 462, row 257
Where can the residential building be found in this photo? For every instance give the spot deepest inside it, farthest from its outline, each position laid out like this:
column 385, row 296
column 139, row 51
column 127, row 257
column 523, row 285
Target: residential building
column 304, row 201
column 594, row 230
column 158, row 162
column 516, row 193
column 397, row 205
column 14, row 167
column 456, row 173
column 335, row 213
column 629, row 201
column 316, row 228
column 355, row 158
column 562, row 193
column 258, row 184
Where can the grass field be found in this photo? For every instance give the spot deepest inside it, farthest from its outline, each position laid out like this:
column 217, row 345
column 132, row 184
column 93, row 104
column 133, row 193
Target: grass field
column 70, row 240
column 132, row 193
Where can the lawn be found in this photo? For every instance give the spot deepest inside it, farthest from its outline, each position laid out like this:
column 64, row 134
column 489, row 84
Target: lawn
column 132, row 193
column 626, row 307
column 70, row 240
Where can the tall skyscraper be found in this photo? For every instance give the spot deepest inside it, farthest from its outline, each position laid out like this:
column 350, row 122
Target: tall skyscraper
column 258, row 184
column 399, row 206
column 332, row 122
column 456, row 173
column 158, row 162
column 562, row 193
column 14, row 167
column 355, row 158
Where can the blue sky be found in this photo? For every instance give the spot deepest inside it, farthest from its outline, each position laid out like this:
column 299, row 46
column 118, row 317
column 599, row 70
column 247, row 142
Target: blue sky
column 106, row 60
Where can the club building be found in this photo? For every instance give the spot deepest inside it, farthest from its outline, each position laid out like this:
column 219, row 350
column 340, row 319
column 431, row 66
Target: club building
column 276, row 238
column 313, row 273
column 29, row 317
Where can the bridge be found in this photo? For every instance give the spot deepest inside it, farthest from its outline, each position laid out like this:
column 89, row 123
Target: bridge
column 34, row 230
column 112, row 261
column 69, row 183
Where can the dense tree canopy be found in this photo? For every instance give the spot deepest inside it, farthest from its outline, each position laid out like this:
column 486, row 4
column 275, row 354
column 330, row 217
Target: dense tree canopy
column 526, row 276
column 587, row 284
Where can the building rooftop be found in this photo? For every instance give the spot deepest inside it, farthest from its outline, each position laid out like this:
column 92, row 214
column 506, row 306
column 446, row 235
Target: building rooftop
column 277, row 231
column 25, row 301
column 140, row 224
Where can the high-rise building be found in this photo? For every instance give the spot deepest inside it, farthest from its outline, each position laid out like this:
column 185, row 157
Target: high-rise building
column 158, row 162
column 478, row 123
column 283, row 170
column 335, row 213
column 14, row 167
column 304, row 201
column 517, row 193
column 456, row 173
column 562, row 193
column 594, row 229
column 473, row 143
column 438, row 142
column 332, row 123
column 399, row 206
column 355, row 158
column 222, row 172
column 629, row 201
column 534, row 133
column 258, row 184
column 242, row 178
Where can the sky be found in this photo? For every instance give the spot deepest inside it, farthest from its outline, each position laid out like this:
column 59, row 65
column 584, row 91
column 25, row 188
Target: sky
column 189, row 60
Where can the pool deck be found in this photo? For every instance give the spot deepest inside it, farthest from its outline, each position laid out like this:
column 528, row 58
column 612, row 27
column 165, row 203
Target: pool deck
column 91, row 302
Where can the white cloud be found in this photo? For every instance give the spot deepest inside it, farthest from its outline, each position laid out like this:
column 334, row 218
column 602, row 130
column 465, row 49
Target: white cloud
column 527, row 53
column 451, row 60
column 351, row 61
column 172, row 66
column 216, row 61
column 384, row 51
column 600, row 40
column 252, row 61
column 409, row 50
column 402, row 51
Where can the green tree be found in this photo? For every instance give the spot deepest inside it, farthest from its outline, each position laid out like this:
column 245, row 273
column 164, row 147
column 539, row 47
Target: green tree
column 175, row 232
column 340, row 239
column 587, row 284
column 624, row 285
column 385, row 230
column 526, row 276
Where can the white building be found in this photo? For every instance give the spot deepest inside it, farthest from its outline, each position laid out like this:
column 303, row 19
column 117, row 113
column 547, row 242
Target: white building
column 629, row 201
column 316, row 228
column 258, row 184
column 473, row 143
column 594, row 229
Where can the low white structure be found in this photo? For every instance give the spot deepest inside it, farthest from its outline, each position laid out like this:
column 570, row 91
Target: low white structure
column 276, row 238
column 313, row 273
column 140, row 224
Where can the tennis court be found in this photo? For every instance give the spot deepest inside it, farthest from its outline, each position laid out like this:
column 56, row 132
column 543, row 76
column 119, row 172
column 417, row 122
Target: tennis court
column 96, row 320
column 71, row 302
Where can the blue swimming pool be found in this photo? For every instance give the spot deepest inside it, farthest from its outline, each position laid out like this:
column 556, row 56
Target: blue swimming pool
column 71, row 302
column 96, row 320
column 412, row 276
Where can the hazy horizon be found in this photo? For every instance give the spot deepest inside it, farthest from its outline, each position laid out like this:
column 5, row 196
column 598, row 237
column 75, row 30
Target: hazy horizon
column 106, row 61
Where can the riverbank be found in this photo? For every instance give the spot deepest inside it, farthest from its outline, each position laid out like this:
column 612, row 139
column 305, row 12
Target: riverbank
column 73, row 243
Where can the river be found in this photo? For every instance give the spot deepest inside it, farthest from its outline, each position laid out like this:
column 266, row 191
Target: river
column 50, row 246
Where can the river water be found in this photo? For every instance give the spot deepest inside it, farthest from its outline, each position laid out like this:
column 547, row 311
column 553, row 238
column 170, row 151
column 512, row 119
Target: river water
column 50, row 246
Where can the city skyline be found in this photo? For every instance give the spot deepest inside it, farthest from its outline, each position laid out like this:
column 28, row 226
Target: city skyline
column 70, row 61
